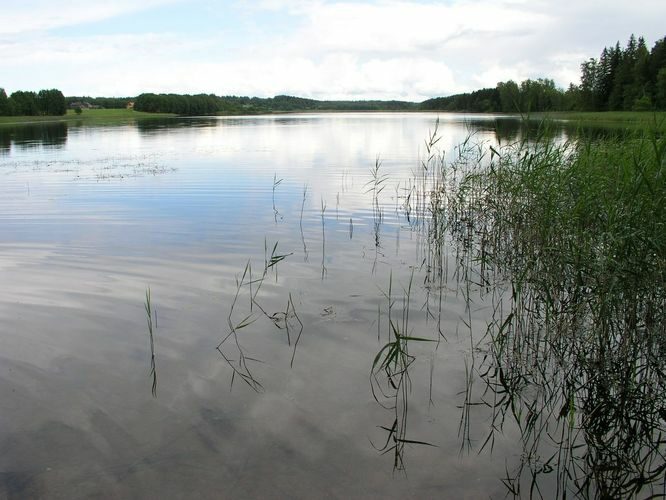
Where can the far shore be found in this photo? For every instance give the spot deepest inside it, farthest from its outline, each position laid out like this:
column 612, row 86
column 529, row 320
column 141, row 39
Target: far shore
column 91, row 116
column 110, row 116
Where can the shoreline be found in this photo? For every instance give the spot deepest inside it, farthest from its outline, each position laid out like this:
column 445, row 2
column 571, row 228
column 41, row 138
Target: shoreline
column 109, row 116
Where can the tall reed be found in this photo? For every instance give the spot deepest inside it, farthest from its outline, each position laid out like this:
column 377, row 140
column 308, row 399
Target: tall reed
column 573, row 235
column 150, row 314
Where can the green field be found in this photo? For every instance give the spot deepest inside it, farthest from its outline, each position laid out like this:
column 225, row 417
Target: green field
column 91, row 116
column 631, row 119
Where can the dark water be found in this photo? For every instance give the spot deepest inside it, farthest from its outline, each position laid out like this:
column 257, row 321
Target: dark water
column 91, row 217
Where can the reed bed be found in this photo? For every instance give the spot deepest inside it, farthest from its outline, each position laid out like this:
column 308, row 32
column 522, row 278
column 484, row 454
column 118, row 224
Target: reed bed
column 570, row 238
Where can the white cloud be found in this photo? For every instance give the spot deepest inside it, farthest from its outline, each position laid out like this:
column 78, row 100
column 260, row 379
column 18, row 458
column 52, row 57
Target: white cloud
column 408, row 27
column 333, row 49
column 490, row 76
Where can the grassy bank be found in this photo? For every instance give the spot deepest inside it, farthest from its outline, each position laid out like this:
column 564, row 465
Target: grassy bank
column 88, row 116
column 626, row 119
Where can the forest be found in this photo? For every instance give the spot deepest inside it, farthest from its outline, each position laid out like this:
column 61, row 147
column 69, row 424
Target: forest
column 25, row 103
column 632, row 78
column 212, row 104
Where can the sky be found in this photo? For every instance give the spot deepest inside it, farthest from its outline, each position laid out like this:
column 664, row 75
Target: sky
column 322, row 49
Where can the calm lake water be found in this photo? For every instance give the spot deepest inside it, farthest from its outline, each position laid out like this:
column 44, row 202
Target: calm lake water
column 93, row 217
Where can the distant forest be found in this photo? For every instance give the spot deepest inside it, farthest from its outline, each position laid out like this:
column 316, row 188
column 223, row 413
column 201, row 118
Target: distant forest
column 622, row 79
column 22, row 103
column 211, row 104
column 632, row 78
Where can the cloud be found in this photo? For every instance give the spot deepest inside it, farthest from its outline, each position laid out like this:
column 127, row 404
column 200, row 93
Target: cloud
column 403, row 49
column 332, row 77
column 408, row 27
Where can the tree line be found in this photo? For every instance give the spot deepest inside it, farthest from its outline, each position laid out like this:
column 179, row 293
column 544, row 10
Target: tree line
column 507, row 97
column 27, row 103
column 201, row 104
column 626, row 79
column 622, row 79
column 210, row 104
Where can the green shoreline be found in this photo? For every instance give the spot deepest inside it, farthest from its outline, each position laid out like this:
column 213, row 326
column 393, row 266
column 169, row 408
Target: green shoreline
column 88, row 116
column 606, row 117
column 110, row 116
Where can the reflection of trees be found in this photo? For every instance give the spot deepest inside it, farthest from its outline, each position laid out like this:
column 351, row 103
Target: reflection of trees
column 156, row 125
column 510, row 130
column 5, row 140
column 152, row 126
column 34, row 135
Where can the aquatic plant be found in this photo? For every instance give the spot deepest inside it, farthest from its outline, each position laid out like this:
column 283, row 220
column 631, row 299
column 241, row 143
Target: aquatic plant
column 305, row 248
column 150, row 313
column 571, row 240
column 323, row 240
column 276, row 183
column 389, row 378
column 230, row 347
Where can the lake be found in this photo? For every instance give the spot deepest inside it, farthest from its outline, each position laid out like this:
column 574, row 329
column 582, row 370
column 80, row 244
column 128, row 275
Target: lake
column 270, row 250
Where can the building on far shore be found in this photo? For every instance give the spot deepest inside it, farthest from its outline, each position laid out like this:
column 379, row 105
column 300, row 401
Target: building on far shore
column 130, row 105
column 83, row 105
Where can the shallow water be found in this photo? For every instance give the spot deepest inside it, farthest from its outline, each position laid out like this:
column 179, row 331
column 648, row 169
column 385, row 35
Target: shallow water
column 92, row 217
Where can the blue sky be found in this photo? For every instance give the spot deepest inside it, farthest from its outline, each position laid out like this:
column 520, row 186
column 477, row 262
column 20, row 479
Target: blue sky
column 385, row 49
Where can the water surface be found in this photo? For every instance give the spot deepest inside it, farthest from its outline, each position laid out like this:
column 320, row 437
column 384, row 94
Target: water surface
column 92, row 217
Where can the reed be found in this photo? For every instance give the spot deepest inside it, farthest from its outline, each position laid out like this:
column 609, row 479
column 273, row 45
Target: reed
column 389, row 376
column 150, row 314
column 305, row 248
column 276, row 183
column 324, row 271
column 571, row 241
column 230, row 347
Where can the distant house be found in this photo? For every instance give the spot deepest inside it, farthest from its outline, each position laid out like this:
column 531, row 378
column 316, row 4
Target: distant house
column 83, row 105
column 130, row 105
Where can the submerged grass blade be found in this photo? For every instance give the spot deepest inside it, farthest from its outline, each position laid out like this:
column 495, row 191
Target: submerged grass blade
column 150, row 313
